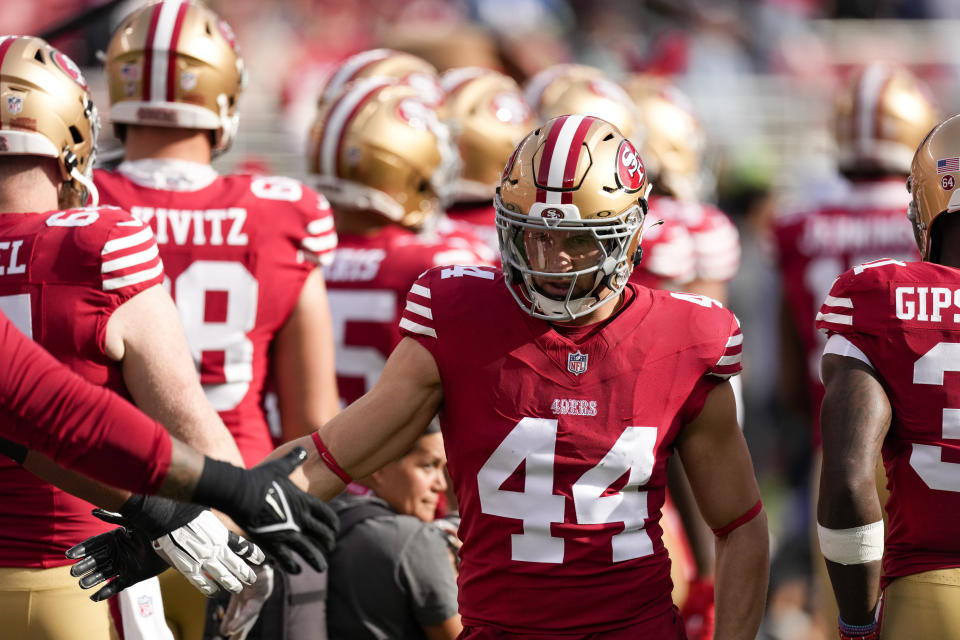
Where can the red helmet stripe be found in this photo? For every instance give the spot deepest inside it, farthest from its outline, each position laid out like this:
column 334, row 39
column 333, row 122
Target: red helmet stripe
column 172, row 54
column 148, row 51
column 573, row 158
column 546, row 156
column 352, row 67
column 341, row 114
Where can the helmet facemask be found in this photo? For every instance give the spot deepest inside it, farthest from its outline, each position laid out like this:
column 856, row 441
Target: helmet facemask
column 565, row 268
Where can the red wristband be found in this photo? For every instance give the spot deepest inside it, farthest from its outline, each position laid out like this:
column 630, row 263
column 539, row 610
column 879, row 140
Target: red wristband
column 739, row 522
column 328, row 460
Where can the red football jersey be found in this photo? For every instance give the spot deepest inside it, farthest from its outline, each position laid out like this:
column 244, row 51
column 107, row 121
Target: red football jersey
column 62, row 274
column 668, row 260
column 481, row 219
column 367, row 284
column 815, row 246
column 905, row 318
column 237, row 250
column 716, row 241
column 558, row 449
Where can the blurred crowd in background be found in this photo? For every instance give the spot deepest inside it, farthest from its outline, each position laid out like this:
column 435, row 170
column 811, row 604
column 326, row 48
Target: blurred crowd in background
column 761, row 76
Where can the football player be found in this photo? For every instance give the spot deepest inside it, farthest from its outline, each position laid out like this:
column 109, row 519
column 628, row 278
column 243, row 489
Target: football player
column 489, row 116
column 889, row 372
column 669, row 262
column 559, row 416
column 386, row 162
column 85, row 284
column 240, row 251
column 668, row 249
column 880, row 117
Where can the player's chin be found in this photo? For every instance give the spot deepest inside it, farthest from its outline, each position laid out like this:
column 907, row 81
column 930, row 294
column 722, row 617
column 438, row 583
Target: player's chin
column 555, row 289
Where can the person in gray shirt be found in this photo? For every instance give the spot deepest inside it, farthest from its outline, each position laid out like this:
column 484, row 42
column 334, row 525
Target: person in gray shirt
column 391, row 575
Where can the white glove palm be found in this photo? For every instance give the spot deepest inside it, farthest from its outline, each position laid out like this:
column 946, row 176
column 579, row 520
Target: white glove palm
column 244, row 607
column 208, row 554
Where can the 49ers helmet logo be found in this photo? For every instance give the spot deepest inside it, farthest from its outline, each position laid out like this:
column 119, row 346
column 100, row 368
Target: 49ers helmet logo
column 70, row 68
column 629, row 167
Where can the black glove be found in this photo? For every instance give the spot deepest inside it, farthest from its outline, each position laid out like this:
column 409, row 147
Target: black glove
column 156, row 534
column 276, row 515
column 125, row 555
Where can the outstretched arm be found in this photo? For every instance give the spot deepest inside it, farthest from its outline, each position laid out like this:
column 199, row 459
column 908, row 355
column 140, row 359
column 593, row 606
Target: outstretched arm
column 378, row 427
column 77, row 424
column 854, row 420
column 720, row 472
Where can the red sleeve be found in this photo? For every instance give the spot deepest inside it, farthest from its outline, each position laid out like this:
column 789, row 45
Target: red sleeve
column 129, row 260
column 319, row 237
column 728, row 364
column 417, row 321
column 80, row 426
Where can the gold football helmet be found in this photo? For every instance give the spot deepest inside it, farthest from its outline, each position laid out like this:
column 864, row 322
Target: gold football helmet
column 176, row 64
column 377, row 146
column 569, row 212
column 934, row 183
column 674, row 142
column 572, row 88
column 881, row 116
column 488, row 115
column 46, row 110
column 405, row 67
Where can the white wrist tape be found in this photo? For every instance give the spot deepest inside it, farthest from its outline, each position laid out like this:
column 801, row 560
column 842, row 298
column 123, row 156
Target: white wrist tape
column 857, row 545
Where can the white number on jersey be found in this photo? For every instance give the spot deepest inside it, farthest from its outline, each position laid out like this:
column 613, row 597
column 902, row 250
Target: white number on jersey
column 860, row 268
column 277, row 188
column 77, row 218
column 926, row 459
column 696, row 298
column 230, row 335
column 458, row 271
column 533, row 442
column 359, row 306
column 18, row 310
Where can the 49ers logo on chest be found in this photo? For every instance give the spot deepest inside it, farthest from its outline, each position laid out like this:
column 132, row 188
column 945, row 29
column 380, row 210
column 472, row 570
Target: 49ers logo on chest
column 577, row 362
column 629, row 167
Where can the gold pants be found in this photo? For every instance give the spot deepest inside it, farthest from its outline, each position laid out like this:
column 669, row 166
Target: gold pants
column 48, row 604
column 921, row 606
column 183, row 606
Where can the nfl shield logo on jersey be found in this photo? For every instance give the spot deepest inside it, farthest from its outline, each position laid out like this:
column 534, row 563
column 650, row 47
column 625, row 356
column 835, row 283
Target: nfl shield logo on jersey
column 145, row 604
column 577, row 363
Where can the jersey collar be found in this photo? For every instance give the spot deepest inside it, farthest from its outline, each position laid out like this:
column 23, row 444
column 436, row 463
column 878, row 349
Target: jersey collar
column 168, row 174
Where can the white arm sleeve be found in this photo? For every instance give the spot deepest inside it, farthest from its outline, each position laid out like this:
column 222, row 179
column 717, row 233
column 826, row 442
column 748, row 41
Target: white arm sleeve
column 840, row 346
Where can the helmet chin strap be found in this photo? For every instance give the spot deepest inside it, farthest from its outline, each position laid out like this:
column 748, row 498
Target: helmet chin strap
column 87, row 184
